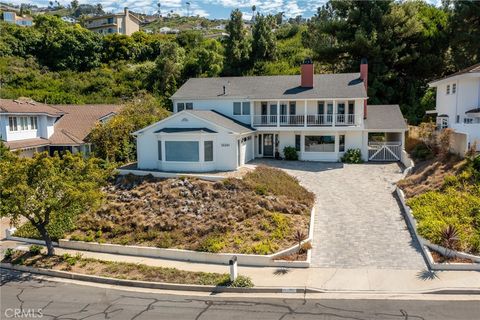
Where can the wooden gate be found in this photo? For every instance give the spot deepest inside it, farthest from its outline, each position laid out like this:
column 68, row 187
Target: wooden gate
column 384, row 151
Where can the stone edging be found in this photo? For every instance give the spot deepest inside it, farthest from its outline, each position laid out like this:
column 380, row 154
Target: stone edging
column 189, row 255
column 426, row 245
column 150, row 285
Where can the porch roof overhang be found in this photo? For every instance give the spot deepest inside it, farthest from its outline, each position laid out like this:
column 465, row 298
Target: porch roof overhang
column 186, row 130
column 473, row 112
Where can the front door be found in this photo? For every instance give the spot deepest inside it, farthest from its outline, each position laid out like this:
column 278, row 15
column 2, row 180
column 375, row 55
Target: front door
column 268, row 145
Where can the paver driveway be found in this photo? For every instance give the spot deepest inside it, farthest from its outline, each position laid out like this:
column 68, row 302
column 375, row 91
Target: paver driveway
column 358, row 222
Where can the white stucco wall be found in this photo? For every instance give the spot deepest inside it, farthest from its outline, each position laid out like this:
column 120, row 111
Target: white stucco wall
column 466, row 97
column 45, row 128
column 225, row 146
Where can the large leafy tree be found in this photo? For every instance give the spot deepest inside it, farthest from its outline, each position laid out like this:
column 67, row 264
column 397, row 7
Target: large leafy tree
column 405, row 44
column 264, row 44
column 206, row 60
column 65, row 46
column 48, row 191
column 113, row 140
column 168, row 69
column 465, row 34
column 237, row 45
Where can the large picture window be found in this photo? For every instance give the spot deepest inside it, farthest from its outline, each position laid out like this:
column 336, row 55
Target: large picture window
column 159, row 150
column 208, row 148
column 186, row 151
column 319, row 143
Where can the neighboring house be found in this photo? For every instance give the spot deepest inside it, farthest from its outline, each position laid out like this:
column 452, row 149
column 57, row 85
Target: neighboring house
column 69, row 19
column 12, row 17
column 167, row 30
column 222, row 123
column 458, row 103
column 123, row 23
column 32, row 127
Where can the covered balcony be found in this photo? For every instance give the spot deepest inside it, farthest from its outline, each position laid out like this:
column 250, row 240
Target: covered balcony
column 306, row 114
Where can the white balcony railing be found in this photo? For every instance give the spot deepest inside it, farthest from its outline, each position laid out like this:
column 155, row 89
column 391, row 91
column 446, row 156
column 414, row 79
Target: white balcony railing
column 310, row 120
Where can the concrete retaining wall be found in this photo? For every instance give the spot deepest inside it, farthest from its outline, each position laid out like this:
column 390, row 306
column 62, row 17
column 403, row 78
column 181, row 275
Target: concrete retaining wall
column 160, row 174
column 188, row 255
column 426, row 245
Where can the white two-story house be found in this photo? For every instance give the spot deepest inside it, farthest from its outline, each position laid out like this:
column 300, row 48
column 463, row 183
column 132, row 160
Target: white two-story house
column 458, row 103
column 28, row 126
column 222, row 123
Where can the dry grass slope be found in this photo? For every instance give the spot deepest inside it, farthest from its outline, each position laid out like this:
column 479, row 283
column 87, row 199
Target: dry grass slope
column 258, row 214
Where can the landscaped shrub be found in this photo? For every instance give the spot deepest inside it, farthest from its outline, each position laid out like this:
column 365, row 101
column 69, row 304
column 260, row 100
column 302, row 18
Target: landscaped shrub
column 35, row 249
column 290, row 153
column 421, row 152
column 436, row 211
column 213, row 243
column 242, row 282
column 8, row 253
column 352, row 156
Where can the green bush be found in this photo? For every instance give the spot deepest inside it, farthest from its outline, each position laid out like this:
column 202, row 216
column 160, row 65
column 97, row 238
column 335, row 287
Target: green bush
column 290, row 153
column 352, row 156
column 421, row 152
column 242, row 282
column 35, row 249
column 8, row 253
column 436, row 210
column 213, row 243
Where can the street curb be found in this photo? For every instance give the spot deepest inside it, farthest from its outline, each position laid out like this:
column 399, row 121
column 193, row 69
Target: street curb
column 151, row 285
column 214, row 289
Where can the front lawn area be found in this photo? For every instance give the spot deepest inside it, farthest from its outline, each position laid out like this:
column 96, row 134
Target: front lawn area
column 444, row 195
column 260, row 213
column 120, row 270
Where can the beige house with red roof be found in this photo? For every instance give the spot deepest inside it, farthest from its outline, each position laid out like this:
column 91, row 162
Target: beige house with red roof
column 31, row 127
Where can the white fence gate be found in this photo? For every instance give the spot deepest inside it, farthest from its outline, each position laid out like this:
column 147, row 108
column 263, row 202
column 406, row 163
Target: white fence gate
column 384, row 151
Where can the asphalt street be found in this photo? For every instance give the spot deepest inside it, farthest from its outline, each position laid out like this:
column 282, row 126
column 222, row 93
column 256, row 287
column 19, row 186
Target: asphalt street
column 27, row 297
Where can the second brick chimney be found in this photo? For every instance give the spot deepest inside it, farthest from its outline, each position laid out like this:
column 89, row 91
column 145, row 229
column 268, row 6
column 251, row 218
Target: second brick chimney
column 306, row 71
column 364, row 77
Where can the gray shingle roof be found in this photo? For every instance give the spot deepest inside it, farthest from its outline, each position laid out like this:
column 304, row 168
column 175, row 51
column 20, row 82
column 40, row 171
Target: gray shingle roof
column 185, row 130
column 385, row 117
column 221, row 120
column 341, row 85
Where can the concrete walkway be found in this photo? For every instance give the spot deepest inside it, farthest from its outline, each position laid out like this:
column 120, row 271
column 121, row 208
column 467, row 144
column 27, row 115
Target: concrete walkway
column 358, row 222
column 331, row 279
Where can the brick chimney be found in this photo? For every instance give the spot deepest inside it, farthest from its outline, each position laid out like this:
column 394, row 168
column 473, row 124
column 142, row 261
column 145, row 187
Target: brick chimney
column 364, row 77
column 306, row 70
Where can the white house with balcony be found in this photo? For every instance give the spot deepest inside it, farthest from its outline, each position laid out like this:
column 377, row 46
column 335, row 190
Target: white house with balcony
column 458, row 103
column 222, row 123
column 28, row 127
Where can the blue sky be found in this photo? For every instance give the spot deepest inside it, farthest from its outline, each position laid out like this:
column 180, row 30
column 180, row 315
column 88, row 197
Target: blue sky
column 206, row 8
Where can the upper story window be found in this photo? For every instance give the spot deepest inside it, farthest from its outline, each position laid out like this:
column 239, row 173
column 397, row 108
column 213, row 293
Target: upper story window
column 9, row 16
column 110, row 20
column 241, row 108
column 448, row 89
column 293, row 108
column 351, row 107
column 22, row 123
column 454, row 88
column 184, row 106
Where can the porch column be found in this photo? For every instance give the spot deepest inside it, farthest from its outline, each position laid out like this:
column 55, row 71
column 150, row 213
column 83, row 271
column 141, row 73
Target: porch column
column 278, row 113
column 337, row 142
column 305, row 113
column 334, row 115
column 252, row 111
column 201, row 149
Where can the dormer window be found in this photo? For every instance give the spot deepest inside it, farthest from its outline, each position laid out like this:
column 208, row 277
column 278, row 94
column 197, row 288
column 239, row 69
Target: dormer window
column 22, row 123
